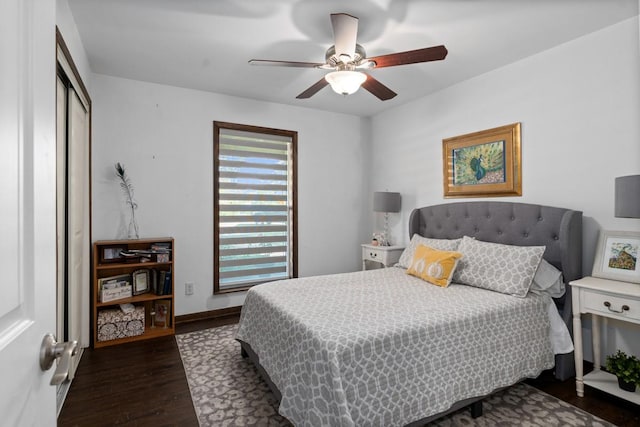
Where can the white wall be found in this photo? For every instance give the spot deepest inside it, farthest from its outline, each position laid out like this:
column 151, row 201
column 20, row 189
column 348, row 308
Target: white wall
column 579, row 105
column 164, row 137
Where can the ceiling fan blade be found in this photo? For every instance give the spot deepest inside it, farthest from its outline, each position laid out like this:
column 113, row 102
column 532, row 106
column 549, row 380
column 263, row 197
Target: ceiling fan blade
column 315, row 88
column 378, row 89
column 345, row 32
column 286, row 63
column 435, row 53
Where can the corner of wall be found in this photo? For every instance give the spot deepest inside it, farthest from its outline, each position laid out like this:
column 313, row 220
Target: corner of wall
column 69, row 30
column 366, row 138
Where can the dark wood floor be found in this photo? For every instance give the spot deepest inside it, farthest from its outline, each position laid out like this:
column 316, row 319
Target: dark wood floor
column 143, row 384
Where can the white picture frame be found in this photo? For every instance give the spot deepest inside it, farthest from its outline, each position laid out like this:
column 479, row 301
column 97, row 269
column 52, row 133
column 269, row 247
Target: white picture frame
column 617, row 256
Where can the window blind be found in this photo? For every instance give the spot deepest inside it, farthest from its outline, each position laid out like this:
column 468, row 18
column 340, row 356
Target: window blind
column 254, row 208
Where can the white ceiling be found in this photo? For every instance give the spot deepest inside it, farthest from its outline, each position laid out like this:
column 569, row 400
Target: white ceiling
column 205, row 44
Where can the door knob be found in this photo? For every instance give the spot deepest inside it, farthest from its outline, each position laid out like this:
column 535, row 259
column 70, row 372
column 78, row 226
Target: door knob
column 51, row 350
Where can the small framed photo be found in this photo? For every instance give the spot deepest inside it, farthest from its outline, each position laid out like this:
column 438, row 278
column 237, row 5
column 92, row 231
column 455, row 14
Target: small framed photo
column 111, row 253
column 617, row 256
column 141, row 282
column 162, row 310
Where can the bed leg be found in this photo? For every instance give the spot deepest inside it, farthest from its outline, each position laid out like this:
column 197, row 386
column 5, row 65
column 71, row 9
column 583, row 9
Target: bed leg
column 476, row 409
column 243, row 353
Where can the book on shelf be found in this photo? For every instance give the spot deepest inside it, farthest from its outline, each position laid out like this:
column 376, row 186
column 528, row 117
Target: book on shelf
column 153, row 277
column 167, row 283
column 164, row 283
column 160, row 284
column 157, row 254
column 141, row 252
column 161, row 247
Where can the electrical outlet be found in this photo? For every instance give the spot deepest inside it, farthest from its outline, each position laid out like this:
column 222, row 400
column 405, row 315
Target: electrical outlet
column 188, row 288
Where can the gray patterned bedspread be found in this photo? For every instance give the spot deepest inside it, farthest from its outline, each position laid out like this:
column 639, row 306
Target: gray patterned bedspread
column 382, row 348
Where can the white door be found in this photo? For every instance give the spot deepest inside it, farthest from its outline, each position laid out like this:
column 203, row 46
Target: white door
column 27, row 209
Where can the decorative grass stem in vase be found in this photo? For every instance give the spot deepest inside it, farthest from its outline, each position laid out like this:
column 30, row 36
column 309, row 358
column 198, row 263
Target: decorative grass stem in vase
column 127, row 188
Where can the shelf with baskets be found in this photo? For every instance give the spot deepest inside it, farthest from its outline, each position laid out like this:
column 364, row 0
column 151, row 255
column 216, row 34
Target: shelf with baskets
column 132, row 290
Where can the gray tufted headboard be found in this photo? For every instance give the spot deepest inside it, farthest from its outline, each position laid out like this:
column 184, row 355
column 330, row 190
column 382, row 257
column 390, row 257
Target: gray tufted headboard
column 559, row 229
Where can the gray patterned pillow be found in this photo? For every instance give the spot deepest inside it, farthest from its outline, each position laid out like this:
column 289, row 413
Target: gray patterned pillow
column 416, row 240
column 502, row 268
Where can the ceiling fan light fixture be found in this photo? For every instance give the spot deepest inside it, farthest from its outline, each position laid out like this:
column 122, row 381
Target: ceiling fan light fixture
column 346, row 58
column 345, row 82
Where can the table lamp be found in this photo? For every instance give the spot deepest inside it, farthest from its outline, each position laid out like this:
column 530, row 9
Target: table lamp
column 385, row 201
column 627, row 197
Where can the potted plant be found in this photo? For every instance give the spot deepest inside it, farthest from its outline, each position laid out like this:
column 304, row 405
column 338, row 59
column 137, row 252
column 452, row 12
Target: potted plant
column 626, row 368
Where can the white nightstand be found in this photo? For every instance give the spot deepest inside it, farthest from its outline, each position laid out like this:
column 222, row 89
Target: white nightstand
column 602, row 299
column 385, row 255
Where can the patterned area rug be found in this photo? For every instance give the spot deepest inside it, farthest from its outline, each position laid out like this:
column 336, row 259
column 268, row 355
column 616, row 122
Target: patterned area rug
column 228, row 391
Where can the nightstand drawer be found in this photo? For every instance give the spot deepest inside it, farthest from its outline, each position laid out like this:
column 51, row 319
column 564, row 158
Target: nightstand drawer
column 371, row 254
column 612, row 305
column 385, row 255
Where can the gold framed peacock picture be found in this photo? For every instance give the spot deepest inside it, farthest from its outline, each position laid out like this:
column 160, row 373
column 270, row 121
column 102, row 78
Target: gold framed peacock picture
column 483, row 164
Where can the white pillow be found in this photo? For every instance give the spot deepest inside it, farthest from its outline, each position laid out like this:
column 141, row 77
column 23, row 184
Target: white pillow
column 548, row 280
column 507, row 269
column 416, row 240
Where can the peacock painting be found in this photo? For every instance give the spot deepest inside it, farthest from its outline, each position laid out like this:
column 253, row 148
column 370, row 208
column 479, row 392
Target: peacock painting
column 479, row 164
column 476, row 166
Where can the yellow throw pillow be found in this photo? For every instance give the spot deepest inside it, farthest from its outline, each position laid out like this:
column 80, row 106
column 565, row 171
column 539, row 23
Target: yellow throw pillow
column 434, row 266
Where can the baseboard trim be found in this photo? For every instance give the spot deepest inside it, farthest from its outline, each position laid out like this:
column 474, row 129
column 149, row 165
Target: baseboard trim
column 211, row 314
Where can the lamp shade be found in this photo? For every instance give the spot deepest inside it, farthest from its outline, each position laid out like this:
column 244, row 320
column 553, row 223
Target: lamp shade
column 345, row 82
column 628, row 196
column 384, row 201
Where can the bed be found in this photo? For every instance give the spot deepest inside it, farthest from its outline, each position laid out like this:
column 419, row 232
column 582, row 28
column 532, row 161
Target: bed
column 382, row 348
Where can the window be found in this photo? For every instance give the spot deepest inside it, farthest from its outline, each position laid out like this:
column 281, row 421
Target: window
column 254, row 208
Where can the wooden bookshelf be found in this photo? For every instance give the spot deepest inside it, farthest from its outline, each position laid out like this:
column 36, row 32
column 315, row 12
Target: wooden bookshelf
column 108, row 262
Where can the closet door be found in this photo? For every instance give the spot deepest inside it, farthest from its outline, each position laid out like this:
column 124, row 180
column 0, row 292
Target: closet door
column 77, row 228
column 61, row 206
column 73, row 209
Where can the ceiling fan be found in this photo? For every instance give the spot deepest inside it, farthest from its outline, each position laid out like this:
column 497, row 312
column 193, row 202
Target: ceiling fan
column 347, row 59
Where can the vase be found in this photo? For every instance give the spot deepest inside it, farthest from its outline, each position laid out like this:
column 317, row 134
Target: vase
column 626, row 386
column 133, row 225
